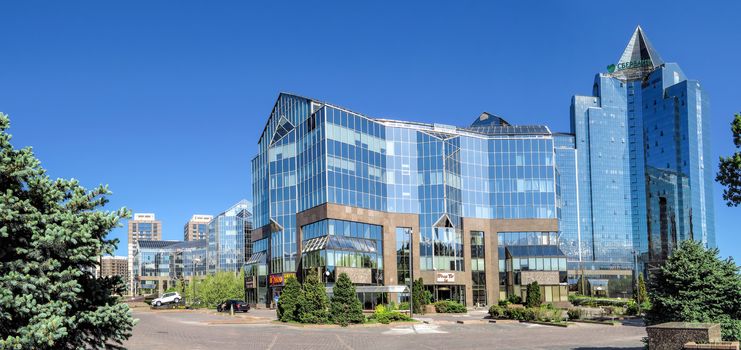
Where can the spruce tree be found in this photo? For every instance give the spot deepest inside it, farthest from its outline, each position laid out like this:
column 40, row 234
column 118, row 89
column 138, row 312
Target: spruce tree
column 345, row 306
column 695, row 285
column 314, row 302
column 418, row 294
column 533, row 295
column 52, row 233
column 288, row 303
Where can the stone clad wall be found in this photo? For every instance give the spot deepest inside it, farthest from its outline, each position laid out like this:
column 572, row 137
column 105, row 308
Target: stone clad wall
column 542, row 277
column 674, row 335
column 357, row 275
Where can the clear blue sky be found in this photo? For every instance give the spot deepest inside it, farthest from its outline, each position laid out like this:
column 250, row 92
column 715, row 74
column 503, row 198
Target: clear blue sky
column 164, row 100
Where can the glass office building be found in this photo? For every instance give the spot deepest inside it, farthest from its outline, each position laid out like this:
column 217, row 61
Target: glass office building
column 644, row 164
column 228, row 238
column 159, row 264
column 387, row 201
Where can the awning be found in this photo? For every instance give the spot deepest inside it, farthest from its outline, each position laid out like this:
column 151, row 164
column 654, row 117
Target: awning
column 255, row 258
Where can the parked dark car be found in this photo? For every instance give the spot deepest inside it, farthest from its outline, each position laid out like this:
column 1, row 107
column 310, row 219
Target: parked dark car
column 239, row 306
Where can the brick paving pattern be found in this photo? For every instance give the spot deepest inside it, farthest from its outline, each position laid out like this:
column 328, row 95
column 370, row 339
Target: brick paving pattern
column 207, row 331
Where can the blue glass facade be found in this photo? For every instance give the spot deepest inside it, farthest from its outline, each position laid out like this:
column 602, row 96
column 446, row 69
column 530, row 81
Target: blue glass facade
column 630, row 180
column 227, row 237
column 159, row 264
column 313, row 153
column 644, row 168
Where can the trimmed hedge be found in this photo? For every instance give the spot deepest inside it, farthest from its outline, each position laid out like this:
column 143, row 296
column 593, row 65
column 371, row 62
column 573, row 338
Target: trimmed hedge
column 496, row 311
column 544, row 313
column 580, row 300
column 386, row 316
column 449, row 307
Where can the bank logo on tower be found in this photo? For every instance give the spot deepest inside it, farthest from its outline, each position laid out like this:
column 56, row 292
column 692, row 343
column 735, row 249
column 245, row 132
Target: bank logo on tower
column 611, row 68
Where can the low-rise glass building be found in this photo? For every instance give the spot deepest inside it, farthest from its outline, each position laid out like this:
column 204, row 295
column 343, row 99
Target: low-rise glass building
column 228, row 238
column 390, row 201
column 159, row 264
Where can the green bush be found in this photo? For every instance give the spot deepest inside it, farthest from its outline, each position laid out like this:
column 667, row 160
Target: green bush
column 514, row 299
column 214, row 289
column 533, row 295
column 580, row 300
column 449, row 307
column 545, row 314
column 403, row 306
column 345, row 306
column 631, row 308
column 521, row 314
column 574, row 314
column 503, row 303
column 385, row 316
column 496, row 311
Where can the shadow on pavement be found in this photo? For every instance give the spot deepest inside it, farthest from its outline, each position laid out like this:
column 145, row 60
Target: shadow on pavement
column 609, row 348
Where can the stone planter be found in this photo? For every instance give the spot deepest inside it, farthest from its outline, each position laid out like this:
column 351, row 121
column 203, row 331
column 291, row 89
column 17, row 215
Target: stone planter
column 430, row 309
column 674, row 335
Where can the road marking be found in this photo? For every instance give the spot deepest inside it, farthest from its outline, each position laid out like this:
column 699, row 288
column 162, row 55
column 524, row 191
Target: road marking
column 343, row 343
column 272, row 343
column 416, row 329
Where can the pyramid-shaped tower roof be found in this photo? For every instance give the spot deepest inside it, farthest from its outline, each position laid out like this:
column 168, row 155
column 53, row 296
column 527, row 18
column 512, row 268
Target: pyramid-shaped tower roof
column 638, row 59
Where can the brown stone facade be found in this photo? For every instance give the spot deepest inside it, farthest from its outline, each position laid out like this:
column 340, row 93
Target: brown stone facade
column 491, row 227
column 390, row 221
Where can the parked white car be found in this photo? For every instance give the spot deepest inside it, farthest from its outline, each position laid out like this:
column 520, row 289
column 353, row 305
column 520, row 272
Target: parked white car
column 167, row 298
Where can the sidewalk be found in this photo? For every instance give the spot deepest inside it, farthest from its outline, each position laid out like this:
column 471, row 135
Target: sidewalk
column 472, row 316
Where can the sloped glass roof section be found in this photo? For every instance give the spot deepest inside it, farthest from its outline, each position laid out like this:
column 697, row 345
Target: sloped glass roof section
column 487, row 119
column 340, row 243
column 282, row 129
column 257, row 257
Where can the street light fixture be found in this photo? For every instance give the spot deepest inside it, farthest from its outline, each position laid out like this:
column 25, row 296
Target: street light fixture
column 193, row 277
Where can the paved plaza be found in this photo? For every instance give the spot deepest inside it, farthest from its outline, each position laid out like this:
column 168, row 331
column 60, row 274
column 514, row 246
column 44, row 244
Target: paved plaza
column 173, row 330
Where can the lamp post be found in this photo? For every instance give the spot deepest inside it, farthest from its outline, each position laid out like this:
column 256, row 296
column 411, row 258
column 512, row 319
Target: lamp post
column 195, row 261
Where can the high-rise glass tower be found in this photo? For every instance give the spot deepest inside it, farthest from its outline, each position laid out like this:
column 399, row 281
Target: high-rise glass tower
column 644, row 164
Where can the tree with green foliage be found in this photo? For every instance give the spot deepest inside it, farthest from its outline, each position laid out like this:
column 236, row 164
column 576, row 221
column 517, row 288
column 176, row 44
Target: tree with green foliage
column 222, row 286
column 419, row 298
column 695, row 285
column 533, row 295
column 729, row 169
column 289, row 301
column 52, row 233
column 314, row 304
column 345, row 307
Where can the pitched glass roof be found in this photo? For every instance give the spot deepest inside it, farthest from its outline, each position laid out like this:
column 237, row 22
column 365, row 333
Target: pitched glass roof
column 339, row 243
column 257, row 257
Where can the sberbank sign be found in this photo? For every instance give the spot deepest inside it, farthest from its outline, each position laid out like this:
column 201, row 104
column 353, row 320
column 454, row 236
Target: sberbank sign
column 628, row 65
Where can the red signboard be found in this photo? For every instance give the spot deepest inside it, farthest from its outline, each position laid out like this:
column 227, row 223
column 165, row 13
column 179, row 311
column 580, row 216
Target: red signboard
column 279, row 279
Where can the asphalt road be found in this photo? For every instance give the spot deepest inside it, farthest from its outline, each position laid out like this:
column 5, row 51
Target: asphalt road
column 200, row 330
